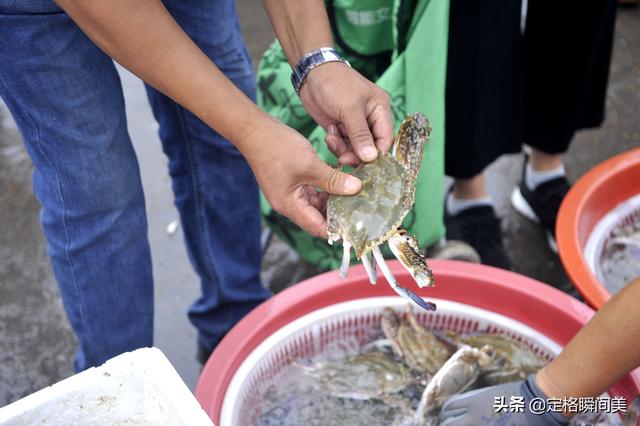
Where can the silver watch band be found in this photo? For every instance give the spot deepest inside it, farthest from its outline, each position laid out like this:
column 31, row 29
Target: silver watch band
column 311, row 60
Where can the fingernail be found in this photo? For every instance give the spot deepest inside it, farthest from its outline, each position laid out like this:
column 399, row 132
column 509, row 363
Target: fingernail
column 352, row 183
column 369, row 153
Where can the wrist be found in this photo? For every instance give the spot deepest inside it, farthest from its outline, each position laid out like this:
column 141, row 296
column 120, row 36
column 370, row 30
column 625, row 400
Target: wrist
column 531, row 390
column 323, row 80
column 312, row 60
column 303, row 47
column 251, row 135
column 547, row 384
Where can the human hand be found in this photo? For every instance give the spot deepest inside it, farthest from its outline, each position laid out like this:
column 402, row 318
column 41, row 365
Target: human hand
column 478, row 407
column 289, row 171
column 355, row 112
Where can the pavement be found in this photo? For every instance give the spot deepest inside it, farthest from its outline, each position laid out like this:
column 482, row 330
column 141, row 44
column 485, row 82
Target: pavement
column 36, row 343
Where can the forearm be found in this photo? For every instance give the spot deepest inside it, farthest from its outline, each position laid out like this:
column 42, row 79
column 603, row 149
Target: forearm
column 601, row 353
column 143, row 37
column 300, row 25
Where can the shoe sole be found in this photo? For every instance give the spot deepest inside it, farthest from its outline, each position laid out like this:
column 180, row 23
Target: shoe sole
column 522, row 206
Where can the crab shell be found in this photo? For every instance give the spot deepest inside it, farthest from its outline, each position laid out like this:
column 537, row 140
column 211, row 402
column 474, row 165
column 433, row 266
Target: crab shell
column 371, row 217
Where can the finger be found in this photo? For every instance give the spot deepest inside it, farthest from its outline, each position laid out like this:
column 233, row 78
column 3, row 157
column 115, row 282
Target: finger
column 445, row 414
column 340, row 136
column 314, row 198
column 360, row 138
column 331, row 143
column 309, row 218
column 316, row 203
column 342, row 131
column 336, row 144
column 381, row 124
column 462, row 401
column 349, row 159
column 324, row 198
column 342, row 139
column 332, row 180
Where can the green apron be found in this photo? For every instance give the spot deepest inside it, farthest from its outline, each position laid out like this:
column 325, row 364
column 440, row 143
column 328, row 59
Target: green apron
column 402, row 46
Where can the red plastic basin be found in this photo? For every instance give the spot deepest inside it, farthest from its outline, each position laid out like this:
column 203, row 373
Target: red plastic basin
column 541, row 307
column 589, row 200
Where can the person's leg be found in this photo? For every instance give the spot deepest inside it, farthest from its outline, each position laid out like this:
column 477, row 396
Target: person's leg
column 467, row 193
column 471, row 218
column 482, row 116
column 565, row 73
column 570, row 67
column 483, row 85
column 472, row 188
column 215, row 190
column 65, row 96
column 542, row 188
column 544, row 162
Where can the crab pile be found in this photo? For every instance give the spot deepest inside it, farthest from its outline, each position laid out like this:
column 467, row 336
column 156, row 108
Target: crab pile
column 439, row 366
column 405, row 376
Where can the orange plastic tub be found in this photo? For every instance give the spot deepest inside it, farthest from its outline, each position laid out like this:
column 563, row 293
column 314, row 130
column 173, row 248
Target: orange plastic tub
column 494, row 296
column 593, row 196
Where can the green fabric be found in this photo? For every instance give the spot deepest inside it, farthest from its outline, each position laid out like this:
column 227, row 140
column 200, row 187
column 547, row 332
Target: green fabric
column 366, row 25
column 415, row 81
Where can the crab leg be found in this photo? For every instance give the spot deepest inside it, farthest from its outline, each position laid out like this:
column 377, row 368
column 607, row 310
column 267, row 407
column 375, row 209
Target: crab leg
column 367, row 267
column 394, row 284
column 374, row 265
column 346, row 257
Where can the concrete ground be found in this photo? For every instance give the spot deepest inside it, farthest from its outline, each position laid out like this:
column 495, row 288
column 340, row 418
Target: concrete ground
column 36, row 344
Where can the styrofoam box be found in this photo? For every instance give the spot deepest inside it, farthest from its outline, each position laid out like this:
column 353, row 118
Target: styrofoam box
column 139, row 387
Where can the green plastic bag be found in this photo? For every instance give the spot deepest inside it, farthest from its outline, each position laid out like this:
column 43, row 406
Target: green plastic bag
column 402, row 46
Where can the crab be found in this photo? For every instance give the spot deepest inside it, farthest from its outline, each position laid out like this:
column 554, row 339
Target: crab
column 418, row 347
column 457, row 375
column 366, row 376
column 519, row 360
column 373, row 216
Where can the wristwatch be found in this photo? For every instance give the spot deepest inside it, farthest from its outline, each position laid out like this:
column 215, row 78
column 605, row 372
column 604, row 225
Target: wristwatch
column 311, row 60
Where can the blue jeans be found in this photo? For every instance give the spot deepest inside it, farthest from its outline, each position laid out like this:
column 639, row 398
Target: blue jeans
column 66, row 98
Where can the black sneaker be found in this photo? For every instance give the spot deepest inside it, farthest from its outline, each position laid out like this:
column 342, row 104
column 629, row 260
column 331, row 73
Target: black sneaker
column 542, row 204
column 480, row 228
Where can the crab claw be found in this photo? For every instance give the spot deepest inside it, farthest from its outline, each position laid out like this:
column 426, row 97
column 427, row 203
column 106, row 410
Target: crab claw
column 405, row 248
column 346, row 257
column 394, row 284
column 429, row 306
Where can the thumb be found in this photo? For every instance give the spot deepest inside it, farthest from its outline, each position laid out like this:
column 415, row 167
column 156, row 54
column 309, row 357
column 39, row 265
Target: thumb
column 333, row 181
column 357, row 127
